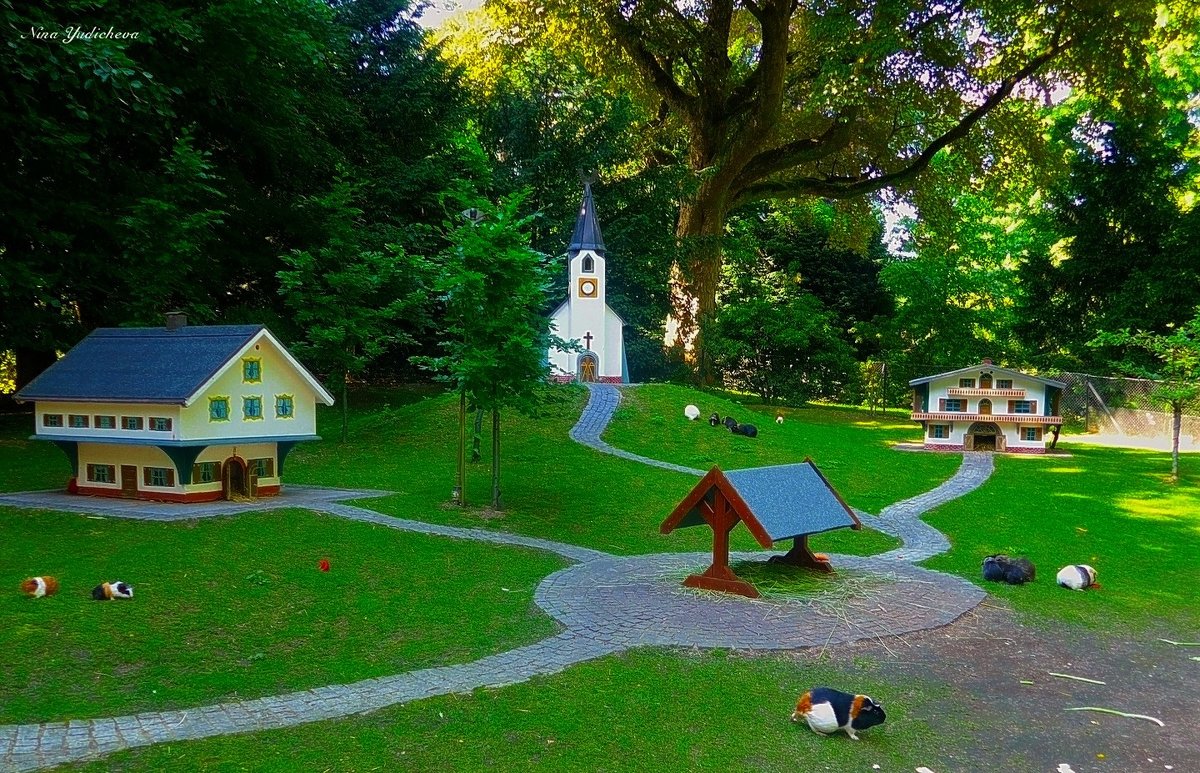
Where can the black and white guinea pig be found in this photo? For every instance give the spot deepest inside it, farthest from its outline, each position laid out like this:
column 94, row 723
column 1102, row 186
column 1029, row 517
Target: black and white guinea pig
column 1013, row 571
column 827, row 710
column 1077, row 577
column 112, row 590
column 715, row 420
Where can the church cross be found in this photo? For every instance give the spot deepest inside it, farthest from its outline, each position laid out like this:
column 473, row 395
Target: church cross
column 588, row 339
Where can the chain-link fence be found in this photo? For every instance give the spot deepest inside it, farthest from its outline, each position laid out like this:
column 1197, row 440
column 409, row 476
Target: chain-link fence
column 1124, row 410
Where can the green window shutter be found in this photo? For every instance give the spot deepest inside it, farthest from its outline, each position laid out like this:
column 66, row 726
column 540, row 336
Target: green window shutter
column 195, row 473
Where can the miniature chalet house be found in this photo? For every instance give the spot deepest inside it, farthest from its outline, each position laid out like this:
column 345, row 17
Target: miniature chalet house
column 585, row 315
column 986, row 408
column 176, row 413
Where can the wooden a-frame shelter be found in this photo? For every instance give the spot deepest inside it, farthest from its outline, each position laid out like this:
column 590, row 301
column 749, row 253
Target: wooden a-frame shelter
column 789, row 501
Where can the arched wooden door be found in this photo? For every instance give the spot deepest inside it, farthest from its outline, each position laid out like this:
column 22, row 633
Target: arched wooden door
column 587, row 367
column 235, row 482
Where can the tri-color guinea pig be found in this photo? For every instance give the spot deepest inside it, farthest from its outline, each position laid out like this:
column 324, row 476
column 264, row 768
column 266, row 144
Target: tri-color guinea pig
column 106, row 591
column 827, row 710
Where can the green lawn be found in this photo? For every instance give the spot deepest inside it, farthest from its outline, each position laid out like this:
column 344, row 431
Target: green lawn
column 852, row 447
column 1111, row 508
column 553, row 488
column 648, row 710
column 237, row 608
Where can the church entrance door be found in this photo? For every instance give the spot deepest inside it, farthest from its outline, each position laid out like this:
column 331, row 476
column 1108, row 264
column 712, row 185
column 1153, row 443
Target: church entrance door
column 587, row 367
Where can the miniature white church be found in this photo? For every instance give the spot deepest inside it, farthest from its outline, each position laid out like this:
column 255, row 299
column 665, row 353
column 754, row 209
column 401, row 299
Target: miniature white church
column 585, row 315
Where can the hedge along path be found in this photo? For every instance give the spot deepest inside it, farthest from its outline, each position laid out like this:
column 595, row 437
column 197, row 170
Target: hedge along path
column 606, row 604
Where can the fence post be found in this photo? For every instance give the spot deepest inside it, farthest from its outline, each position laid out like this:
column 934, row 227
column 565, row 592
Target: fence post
column 1087, row 403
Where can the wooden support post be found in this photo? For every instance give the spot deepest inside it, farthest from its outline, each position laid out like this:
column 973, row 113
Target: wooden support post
column 719, row 576
column 800, row 555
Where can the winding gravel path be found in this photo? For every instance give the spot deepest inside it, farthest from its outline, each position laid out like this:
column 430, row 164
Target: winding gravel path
column 605, row 603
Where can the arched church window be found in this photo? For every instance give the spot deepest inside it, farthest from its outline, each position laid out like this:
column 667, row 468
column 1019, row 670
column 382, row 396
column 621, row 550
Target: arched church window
column 588, row 266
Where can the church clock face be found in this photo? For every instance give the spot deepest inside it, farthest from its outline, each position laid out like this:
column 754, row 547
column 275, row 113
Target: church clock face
column 588, row 288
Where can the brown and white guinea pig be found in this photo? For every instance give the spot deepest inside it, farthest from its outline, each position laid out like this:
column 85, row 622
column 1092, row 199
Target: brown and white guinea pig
column 827, row 710
column 112, row 590
column 36, row 587
column 1077, row 577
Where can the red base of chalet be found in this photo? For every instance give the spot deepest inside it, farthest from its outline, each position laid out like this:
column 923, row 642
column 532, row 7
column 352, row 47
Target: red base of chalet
column 1011, row 450
column 939, row 447
column 567, row 378
column 166, row 496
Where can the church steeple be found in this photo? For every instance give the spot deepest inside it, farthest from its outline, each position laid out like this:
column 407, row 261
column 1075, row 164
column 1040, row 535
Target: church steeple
column 587, row 234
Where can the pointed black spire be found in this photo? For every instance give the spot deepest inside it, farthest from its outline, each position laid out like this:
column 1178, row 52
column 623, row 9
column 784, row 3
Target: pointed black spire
column 587, row 234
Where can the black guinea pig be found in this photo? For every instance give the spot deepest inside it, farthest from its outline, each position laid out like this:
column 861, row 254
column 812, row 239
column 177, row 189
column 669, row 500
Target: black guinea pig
column 827, row 710
column 730, row 422
column 1014, row 571
column 749, row 430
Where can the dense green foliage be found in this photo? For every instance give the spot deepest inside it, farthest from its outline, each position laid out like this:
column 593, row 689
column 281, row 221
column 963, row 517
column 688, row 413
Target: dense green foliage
column 1048, row 158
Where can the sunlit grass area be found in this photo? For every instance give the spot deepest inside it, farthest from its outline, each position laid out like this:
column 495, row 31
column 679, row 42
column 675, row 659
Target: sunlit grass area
column 1114, row 509
column 852, row 447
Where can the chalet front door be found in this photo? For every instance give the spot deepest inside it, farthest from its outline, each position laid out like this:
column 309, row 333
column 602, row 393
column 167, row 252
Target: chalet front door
column 129, row 487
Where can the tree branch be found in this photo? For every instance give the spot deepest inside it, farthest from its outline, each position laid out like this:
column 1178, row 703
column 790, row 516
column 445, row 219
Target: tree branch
column 830, row 186
column 633, row 43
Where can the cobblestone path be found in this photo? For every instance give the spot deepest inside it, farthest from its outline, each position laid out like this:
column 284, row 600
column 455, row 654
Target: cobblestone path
column 605, row 603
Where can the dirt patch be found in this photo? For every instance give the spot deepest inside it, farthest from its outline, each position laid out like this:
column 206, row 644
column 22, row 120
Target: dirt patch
column 985, row 656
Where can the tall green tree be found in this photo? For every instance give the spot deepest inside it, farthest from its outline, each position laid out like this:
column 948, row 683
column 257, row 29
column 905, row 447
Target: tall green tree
column 352, row 303
column 1175, row 365
column 777, row 99
column 495, row 336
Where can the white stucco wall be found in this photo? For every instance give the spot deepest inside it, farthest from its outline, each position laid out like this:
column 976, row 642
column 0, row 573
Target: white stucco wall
column 579, row 316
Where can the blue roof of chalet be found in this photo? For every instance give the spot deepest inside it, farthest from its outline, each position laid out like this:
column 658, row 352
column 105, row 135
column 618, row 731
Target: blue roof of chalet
column 140, row 364
column 587, row 234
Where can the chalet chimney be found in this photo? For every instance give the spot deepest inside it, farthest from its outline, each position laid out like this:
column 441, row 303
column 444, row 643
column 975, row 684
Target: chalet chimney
column 176, row 320
column 987, row 360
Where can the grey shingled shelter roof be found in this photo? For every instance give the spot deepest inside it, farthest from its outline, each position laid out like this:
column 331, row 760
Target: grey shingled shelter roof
column 791, row 499
column 145, row 365
column 587, row 234
column 775, row 503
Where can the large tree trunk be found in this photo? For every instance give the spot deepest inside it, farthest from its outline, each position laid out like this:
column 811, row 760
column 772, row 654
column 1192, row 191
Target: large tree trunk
column 694, row 280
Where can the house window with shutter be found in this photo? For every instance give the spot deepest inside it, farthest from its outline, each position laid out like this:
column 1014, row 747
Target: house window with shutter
column 52, row 420
column 252, row 408
column 101, row 473
column 954, row 405
column 132, row 422
column 285, row 406
column 1031, row 433
column 106, row 422
column 1021, row 406
column 206, row 472
column 163, row 477
column 252, row 370
column 938, row 431
column 1004, row 383
column 263, row 468
column 966, row 383
column 218, row 409
column 160, row 424
column 77, row 422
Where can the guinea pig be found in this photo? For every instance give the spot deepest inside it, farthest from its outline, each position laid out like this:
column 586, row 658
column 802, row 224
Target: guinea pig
column 827, row 710
column 37, row 587
column 112, row 590
column 779, row 418
column 1077, row 577
column 714, row 420
column 1014, row 571
column 749, row 430
column 691, row 412
column 730, row 423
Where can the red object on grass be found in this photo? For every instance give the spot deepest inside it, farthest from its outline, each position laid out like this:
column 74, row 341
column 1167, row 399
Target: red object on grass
column 323, row 565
